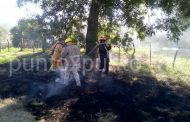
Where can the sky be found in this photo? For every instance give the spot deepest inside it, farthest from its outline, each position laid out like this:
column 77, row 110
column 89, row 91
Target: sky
column 10, row 13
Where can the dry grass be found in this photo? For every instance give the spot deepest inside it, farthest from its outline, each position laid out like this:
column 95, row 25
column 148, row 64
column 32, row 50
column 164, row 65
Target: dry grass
column 161, row 67
column 12, row 110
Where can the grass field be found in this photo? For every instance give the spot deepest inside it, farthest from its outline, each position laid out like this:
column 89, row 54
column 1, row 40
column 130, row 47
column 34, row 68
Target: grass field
column 161, row 66
column 14, row 53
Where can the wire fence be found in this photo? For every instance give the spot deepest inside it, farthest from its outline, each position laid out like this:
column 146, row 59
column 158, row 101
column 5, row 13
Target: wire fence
column 24, row 44
column 169, row 57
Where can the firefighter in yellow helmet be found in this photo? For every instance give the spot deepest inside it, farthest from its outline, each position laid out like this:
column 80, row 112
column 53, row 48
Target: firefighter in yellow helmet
column 69, row 41
column 71, row 58
column 55, row 52
column 104, row 54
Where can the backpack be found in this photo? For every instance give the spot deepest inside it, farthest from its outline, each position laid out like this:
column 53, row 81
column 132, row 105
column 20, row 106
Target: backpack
column 52, row 49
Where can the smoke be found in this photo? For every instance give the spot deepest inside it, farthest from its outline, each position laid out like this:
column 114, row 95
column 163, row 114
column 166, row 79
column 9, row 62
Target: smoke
column 51, row 86
column 54, row 89
column 45, row 91
column 57, row 86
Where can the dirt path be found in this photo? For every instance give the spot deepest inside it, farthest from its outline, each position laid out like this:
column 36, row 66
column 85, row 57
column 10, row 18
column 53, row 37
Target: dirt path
column 107, row 99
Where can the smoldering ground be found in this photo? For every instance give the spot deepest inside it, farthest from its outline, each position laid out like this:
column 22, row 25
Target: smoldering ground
column 55, row 84
column 145, row 100
column 101, row 98
column 130, row 97
column 37, row 70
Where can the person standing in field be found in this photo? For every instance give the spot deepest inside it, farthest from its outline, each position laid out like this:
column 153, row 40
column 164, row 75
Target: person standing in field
column 104, row 55
column 55, row 52
column 71, row 58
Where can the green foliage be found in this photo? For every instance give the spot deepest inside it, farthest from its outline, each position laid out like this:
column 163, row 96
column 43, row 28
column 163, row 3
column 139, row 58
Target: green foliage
column 62, row 15
column 3, row 34
column 78, row 38
column 177, row 17
column 110, row 31
column 145, row 69
column 27, row 29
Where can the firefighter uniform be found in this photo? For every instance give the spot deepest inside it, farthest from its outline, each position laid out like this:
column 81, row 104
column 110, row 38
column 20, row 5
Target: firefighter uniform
column 104, row 55
column 56, row 56
column 71, row 58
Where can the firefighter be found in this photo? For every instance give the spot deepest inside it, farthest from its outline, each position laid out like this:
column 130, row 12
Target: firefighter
column 71, row 58
column 55, row 52
column 104, row 55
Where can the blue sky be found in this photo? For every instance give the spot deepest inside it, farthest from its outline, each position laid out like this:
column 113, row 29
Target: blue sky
column 10, row 13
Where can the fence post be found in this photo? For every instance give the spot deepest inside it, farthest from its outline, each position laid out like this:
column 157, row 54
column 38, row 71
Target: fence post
column 8, row 45
column 175, row 57
column 21, row 45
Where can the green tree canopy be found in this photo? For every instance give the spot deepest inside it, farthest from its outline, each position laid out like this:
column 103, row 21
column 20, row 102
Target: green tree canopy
column 27, row 29
column 63, row 14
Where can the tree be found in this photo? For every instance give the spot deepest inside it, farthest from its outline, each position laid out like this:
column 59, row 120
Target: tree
column 61, row 14
column 3, row 34
column 129, row 45
column 28, row 29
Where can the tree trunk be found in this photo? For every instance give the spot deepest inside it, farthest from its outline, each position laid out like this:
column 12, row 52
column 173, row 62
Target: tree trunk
column 44, row 44
column 92, row 31
column 134, row 50
column 21, row 44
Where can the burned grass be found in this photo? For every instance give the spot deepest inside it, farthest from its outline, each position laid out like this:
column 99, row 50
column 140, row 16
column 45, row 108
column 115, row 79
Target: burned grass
column 132, row 98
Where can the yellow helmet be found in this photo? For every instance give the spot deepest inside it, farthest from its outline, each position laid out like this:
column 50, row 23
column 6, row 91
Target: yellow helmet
column 68, row 40
column 102, row 38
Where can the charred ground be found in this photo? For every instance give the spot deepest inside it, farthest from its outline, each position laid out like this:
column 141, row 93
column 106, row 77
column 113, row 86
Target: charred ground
column 130, row 98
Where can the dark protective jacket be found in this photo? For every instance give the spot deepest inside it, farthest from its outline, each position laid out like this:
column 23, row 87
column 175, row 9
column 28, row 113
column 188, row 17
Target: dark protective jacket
column 104, row 50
